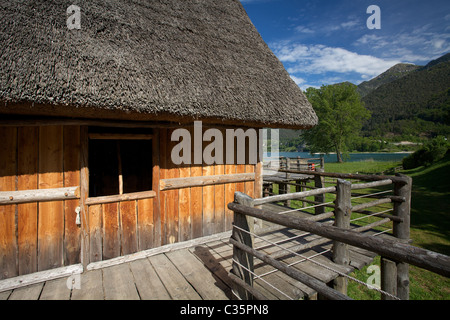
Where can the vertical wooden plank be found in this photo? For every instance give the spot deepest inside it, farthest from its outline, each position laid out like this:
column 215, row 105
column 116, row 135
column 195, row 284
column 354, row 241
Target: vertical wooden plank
column 84, row 193
column 196, row 197
column 172, row 196
column 27, row 169
column 230, row 189
column 8, row 167
column 51, row 214
column 250, row 185
column 128, row 225
column 258, row 191
column 249, row 168
column 240, row 168
column 111, row 234
column 208, row 198
column 163, row 175
column 145, row 209
column 219, row 196
column 155, row 181
column 95, row 232
column 72, row 150
column 184, row 196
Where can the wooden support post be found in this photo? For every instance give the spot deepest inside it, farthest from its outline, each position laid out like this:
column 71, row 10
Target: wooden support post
column 401, row 230
column 287, row 186
column 342, row 220
column 243, row 261
column 319, row 183
column 322, row 164
column 388, row 278
column 84, row 194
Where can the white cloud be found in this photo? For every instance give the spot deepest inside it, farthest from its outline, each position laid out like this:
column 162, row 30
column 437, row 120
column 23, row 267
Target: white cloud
column 297, row 80
column 303, row 29
column 317, row 59
column 416, row 46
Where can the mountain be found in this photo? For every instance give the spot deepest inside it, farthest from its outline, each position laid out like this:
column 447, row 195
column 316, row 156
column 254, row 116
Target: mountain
column 396, row 72
column 410, row 100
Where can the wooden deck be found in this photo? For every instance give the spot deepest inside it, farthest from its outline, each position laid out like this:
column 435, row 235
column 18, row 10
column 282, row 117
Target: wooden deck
column 199, row 272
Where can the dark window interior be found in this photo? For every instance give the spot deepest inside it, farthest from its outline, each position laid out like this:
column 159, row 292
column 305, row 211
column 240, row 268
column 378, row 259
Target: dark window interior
column 111, row 161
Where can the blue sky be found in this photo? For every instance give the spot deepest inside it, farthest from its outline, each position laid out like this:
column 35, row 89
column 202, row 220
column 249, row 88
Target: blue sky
column 324, row 41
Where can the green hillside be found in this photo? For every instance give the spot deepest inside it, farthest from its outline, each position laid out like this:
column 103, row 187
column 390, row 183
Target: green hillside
column 396, row 72
column 416, row 104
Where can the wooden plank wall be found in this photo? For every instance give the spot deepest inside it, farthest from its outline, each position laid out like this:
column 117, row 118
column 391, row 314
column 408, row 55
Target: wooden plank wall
column 194, row 212
column 38, row 236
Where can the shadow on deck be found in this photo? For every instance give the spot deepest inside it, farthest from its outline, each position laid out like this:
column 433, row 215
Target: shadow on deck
column 199, row 272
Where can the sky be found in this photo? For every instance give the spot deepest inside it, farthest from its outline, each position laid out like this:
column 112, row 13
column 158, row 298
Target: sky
column 322, row 42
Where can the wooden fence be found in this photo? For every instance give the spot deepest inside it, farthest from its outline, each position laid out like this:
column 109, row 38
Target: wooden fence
column 395, row 251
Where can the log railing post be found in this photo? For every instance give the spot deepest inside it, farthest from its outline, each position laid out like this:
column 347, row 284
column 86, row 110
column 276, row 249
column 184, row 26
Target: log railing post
column 287, row 186
column 319, row 183
column 243, row 261
column 342, row 220
column 401, row 230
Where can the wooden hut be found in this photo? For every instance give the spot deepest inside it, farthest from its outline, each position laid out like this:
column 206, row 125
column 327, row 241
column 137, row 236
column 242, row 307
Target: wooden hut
column 86, row 117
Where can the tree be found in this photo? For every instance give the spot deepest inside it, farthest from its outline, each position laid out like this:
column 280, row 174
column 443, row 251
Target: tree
column 341, row 114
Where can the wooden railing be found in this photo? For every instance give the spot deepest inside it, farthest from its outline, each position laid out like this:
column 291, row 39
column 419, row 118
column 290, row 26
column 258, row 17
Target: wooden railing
column 395, row 251
column 297, row 163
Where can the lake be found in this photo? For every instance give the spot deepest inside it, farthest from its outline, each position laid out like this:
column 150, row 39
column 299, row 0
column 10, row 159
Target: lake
column 376, row 156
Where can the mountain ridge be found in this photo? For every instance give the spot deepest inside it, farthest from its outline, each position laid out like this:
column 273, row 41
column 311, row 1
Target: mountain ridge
column 415, row 101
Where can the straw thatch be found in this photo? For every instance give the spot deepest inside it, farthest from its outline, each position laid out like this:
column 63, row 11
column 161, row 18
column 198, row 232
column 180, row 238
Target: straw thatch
column 156, row 59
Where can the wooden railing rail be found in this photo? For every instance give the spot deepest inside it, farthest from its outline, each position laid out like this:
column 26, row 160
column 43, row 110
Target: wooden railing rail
column 39, row 195
column 396, row 254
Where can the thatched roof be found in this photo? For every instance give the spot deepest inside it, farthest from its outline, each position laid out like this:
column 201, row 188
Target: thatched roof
column 154, row 59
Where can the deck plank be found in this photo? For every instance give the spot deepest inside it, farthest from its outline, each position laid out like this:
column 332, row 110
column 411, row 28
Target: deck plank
column 119, row 283
column 27, row 293
column 5, row 295
column 91, row 286
column 147, row 281
column 56, row 290
column 195, row 272
column 177, row 286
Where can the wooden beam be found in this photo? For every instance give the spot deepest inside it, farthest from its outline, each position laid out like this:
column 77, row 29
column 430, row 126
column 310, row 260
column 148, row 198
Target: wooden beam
column 39, row 195
column 178, row 183
column 292, row 196
column 36, row 277
column 395, row 250
column 371, row 204
column 121, row 197
column 120, row 136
